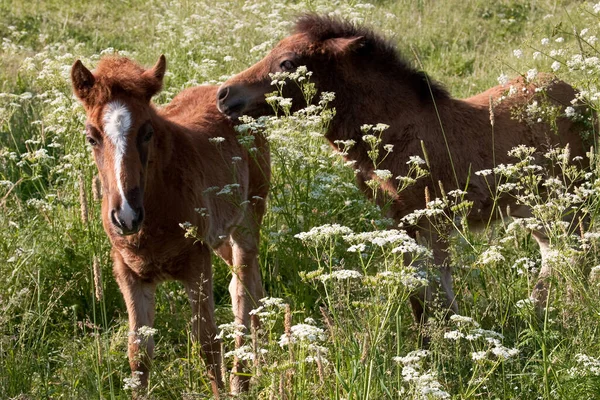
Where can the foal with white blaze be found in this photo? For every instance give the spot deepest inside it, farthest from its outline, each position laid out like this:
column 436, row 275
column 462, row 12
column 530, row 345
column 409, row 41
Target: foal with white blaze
column 160, row 168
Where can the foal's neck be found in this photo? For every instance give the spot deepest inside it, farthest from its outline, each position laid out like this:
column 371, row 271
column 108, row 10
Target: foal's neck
column 372, row 100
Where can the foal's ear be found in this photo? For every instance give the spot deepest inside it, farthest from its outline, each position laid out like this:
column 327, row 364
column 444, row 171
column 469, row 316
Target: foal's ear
column 339, row 46
column 155, row 75
column 83, row 80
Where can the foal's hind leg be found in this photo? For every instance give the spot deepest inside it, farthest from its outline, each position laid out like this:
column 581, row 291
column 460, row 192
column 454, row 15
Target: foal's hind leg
column 198, row 285
column 441, row 260
column 539, row 294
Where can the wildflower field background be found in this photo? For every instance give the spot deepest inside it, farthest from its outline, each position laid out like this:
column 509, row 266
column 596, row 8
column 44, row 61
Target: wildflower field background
column 337, row 324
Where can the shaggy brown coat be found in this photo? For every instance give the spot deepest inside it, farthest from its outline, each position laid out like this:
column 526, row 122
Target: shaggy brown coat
column 373, row 84
column 173, row 172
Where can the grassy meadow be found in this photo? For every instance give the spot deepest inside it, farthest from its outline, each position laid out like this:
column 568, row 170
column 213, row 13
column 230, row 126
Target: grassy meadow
column 337, row 323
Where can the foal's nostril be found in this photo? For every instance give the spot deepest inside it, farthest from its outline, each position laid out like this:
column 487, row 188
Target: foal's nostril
column 222, row 93
column 114, row 219
column 127, row 228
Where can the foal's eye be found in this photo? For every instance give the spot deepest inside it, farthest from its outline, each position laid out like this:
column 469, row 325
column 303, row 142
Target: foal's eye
column 93, row 142
column 148, row 134
column 287, row 65
column 146, row 131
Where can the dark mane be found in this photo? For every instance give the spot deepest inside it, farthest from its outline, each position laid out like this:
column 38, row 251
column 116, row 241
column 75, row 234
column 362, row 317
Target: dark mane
column 119, row 75
column 320, row 28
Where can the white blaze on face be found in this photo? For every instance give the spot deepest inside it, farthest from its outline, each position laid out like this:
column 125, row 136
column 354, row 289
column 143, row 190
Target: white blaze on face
column 117, row 122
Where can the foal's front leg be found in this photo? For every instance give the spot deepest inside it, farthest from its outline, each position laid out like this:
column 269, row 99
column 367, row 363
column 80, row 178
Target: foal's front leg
column 198, row 285
column 421, row 300
column 139, row 298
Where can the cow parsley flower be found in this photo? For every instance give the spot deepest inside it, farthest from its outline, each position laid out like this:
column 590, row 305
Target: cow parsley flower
column 134, row 382
column 383, row 174
column 216, row 140
column 302, row 333
column 453, row 335
column 341, row 275
column 415, row 160
column 491, row 256
column 503, row 79
column 323, row 233
column 463, row 320
column 244, row 353
column 146, row 331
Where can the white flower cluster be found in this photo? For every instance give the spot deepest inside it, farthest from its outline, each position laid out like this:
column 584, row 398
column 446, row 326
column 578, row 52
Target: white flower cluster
column 134, row 382
column 216, row 140
column 383, row 174
column 340, row 275
column 408, row 277
column 433, row 208
column 463, row 320
column 231, row 330
column 491, row 256
column 270, row 307
column 303, row 333
column 425, row 383
column 587, row 366
column 492, row 338
column 244, row 353
column 398, row 240
column 525, row 265
column 415, row 160
column 146, row 331
column 323, row 233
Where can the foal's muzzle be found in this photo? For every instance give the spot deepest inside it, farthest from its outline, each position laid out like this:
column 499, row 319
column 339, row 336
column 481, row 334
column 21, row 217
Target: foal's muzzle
column 230, row 101
column 127, row 222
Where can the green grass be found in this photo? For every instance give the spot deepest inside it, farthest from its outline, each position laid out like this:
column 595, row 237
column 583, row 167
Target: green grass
column 57, row 340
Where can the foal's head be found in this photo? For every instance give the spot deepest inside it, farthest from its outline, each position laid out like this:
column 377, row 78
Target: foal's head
column 324, row 45
column 343, row 57
column 116, row 97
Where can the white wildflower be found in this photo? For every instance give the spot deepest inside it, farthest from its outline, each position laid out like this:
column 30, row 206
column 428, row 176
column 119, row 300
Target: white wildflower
column 302, row 333
column 491, row 255
column 503, row 79
column 453, row 335
column 531, row 74
column 415, row 160
column 323, row 233
column 383, row 174
column 504, row 353
column 461, row 319
column 244, row 353
column 216, row 140
column 341, row 275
